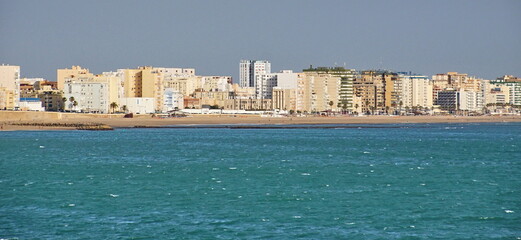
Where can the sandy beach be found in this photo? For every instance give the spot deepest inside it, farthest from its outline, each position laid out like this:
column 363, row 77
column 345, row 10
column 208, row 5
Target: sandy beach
column 9, row 120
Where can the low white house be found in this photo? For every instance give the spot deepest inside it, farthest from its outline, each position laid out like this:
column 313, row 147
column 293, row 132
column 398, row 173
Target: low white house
column 31, row 104
column 138, row 105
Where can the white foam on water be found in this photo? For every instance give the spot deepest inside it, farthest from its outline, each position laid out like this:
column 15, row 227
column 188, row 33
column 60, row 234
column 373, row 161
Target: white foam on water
column 297, row 216
column 232, row 168
column 305, row 174
column 114, row 195
column 215, row 169
column 367, row 152
column 509, row 211
column 72, row 205
column 42, row 146
column 350, row 223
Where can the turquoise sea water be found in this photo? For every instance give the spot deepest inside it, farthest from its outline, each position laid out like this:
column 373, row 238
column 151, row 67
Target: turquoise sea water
column 415, row 181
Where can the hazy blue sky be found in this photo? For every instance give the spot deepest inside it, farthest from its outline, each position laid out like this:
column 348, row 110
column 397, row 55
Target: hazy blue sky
column 482, row 38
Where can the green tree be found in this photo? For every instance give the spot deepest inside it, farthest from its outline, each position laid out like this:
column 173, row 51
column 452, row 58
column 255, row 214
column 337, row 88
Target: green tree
column 62, row 105
column 331, row 103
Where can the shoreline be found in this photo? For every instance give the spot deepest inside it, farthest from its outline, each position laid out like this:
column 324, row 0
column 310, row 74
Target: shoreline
column 19, row 122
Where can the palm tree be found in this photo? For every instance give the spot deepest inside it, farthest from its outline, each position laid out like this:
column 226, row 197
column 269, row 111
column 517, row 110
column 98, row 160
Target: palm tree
column 113, row 106
column 124, row 108
column 71, row 100
column 64, row 100
column 356, row 107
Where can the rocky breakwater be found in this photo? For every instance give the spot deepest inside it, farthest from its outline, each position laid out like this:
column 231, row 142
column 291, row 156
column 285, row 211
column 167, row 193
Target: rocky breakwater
column 77, row 126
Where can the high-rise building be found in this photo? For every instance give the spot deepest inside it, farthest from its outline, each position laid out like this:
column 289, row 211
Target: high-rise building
column 318, row 91
column 376, row 90
column 416, row 91
column 249, row 69
column 345, row 85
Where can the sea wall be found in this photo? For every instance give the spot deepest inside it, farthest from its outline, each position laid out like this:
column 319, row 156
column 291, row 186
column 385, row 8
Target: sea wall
column 28, row 116
column 42, row 116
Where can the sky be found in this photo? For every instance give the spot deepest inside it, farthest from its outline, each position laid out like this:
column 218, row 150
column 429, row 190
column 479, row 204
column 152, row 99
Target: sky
column 481, row 38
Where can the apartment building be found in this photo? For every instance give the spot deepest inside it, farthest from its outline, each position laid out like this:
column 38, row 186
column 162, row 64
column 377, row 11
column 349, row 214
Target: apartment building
column 9, row 86
column 249, row 69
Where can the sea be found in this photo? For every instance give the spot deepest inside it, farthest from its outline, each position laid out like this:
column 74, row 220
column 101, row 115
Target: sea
column 390, row 181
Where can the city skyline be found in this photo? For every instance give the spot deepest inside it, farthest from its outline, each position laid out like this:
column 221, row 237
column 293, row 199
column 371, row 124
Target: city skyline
column 475, row 37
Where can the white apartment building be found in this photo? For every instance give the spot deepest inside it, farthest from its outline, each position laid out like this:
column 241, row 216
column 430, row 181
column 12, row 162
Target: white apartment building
column 249, row 69
column 416, row 90
column 264, row 84
column 173, row 100
column 83, row 95
column 470, row 101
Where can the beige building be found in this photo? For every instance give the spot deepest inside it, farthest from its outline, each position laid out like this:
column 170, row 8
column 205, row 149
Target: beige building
column 73, row 72
column 345, row 88
column 52, row 100
column 455, row 80
column 284, row 99
column 9, row 86
column 496, row 93
column 186, row 85
column 248, row 104
column 7, row 97
column 151, row 82
column 376, row 90
column 317, row 92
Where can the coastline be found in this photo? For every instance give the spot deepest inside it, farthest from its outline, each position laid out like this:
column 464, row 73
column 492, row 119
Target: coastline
column 40, row 121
